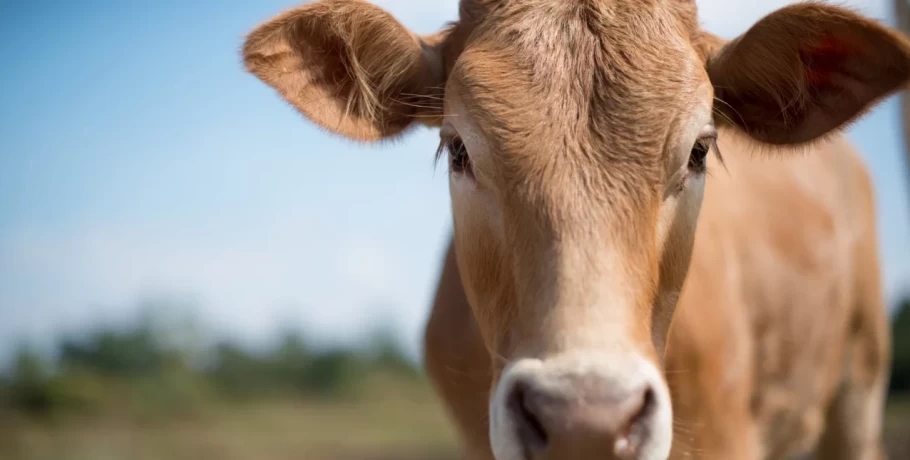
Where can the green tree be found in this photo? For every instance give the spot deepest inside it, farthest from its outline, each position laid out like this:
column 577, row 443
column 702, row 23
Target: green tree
column 236, row 372
column 130, row 353
column 30, row 387
column 334, row 372
column 900, row 368
column 389, row 356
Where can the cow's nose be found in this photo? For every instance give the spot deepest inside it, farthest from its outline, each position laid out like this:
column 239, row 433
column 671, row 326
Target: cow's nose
column 596, row 420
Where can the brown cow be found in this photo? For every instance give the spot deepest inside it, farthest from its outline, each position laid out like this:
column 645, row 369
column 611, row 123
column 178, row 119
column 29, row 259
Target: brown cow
column 578, row 134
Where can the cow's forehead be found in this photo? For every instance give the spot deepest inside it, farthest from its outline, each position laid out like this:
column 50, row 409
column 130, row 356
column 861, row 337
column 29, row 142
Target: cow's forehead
column 593, row 72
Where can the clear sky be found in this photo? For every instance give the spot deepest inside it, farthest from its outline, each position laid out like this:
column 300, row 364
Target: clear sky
column 137, row 159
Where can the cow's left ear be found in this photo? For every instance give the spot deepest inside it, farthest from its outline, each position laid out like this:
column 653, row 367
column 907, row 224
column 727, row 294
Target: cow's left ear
column 806, row 70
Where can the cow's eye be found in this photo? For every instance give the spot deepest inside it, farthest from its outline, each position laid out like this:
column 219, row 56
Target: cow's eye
column 699, row 155
column 459, row 161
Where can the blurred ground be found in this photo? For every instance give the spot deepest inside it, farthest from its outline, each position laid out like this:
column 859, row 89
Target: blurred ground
column 390, row 427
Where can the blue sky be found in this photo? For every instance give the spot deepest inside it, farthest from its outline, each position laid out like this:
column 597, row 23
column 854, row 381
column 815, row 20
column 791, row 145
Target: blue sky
column 137, row 159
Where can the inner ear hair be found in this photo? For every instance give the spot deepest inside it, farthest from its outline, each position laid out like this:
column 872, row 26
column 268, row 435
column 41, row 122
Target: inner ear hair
column 350, row 67
column 804, row 73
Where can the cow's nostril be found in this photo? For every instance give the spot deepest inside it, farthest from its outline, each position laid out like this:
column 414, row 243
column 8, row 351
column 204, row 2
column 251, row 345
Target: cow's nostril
column 530, row 429
column 629, row 437
column 647, row 405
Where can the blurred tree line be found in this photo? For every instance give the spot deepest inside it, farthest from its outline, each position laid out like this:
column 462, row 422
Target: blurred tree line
column 140, row 370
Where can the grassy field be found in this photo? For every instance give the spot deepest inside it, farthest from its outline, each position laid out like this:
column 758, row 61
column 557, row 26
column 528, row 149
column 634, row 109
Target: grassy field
column 398, row 423
column 404, row 423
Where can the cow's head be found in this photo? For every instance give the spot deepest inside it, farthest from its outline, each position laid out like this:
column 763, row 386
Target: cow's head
column 577, row 134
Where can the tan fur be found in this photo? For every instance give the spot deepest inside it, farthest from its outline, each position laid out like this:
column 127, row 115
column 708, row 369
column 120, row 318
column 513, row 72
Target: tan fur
column 581, row 233
column 783, row 283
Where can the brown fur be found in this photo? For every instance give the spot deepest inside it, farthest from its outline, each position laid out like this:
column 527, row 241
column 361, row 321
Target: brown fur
column 576, row 230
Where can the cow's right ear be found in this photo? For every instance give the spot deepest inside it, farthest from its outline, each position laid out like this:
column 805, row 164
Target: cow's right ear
column 350, row 67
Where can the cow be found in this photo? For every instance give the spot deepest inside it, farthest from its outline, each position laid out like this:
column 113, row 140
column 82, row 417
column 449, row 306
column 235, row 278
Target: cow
column 663, row 245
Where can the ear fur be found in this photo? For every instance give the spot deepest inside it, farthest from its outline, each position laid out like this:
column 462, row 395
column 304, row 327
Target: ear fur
column 350, row 67
column 805, row 71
